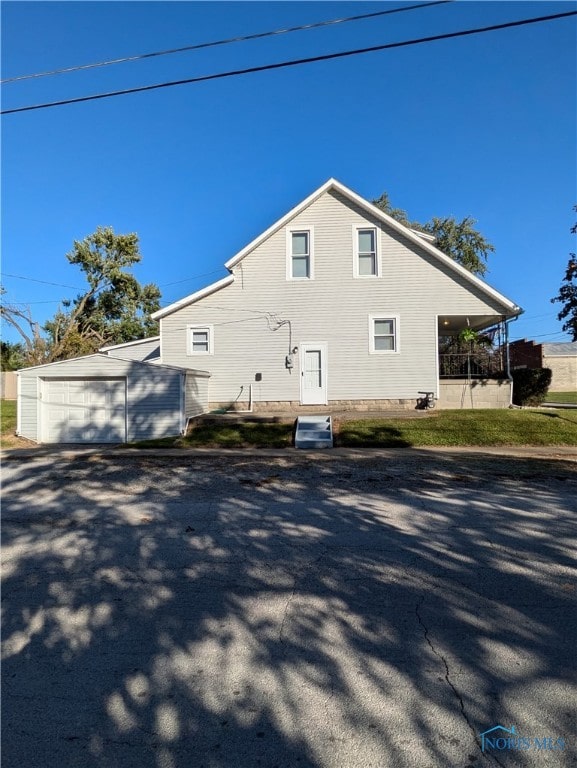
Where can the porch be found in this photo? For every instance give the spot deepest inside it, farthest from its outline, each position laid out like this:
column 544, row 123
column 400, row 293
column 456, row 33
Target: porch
column 473, row 348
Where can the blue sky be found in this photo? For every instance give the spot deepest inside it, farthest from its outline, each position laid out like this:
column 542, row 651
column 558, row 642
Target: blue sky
column 484, row 125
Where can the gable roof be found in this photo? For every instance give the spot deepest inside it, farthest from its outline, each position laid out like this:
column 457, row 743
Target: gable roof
column 129, row 344
column 111, row 361
column 193, row 297
column 423, row 240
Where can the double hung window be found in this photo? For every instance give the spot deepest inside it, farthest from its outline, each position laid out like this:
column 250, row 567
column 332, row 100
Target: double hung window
column 365, row 252
column 300, row 254
column 383, row 334
column 200, row 340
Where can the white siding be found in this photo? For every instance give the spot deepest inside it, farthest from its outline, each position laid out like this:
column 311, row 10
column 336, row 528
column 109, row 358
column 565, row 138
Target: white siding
column 28, row 407
column 333, row 308
column 195, row 394
column 154, row 405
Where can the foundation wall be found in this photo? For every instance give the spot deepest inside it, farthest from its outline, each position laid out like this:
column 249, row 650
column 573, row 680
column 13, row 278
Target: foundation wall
column 480, row 393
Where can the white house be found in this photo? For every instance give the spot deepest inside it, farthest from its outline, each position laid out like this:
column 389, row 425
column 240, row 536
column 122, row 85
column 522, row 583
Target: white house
column 336, row 305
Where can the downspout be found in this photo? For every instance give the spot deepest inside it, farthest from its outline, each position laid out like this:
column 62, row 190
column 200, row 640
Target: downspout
column 183, row 419
column 508, row 357
column 184, row 432
column 250, row 398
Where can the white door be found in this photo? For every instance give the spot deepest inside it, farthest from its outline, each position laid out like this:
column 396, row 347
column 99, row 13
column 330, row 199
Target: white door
column 83, row 411
column 313, row 361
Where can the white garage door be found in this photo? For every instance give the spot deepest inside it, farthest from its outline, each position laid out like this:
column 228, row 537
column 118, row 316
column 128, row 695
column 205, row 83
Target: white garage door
column 83, row 411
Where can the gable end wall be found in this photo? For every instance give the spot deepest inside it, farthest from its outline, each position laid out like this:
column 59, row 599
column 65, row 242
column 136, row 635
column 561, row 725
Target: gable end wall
column 333, row 308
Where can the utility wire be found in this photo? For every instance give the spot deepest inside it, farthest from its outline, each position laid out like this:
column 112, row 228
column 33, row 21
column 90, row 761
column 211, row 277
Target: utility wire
column 44, row 282
column 293, row 62
column 76, row 288
column 30, row 303
column 188, row 279
column 542, row 335
column 239, row 39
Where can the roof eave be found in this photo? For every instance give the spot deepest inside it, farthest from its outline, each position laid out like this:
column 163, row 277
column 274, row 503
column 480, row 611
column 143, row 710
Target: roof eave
column 414, row 237
column 280, row 223
column 212, row 288
column 129, row 343
column 420, row 240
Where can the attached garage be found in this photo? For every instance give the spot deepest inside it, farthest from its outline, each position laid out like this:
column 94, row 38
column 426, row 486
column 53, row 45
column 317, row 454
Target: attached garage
column 103, row 399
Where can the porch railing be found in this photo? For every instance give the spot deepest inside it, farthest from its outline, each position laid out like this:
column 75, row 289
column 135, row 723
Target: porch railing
column 477, row 365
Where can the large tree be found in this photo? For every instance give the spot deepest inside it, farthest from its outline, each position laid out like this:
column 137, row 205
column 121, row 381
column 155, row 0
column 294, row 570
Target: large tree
column 115, row 307
column 568, row 294
column 457, row 239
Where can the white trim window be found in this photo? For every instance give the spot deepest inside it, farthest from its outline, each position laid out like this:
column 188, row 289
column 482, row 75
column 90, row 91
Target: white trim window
column 366, row 251
column 384, row 334
column 199, row 340
column 300, row 251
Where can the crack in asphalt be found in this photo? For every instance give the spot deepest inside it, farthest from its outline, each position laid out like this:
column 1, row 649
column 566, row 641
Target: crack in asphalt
column 450, row 682
column 296, row 583
column 286, row 610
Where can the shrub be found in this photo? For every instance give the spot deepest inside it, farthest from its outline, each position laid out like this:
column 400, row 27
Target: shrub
column 530, row 385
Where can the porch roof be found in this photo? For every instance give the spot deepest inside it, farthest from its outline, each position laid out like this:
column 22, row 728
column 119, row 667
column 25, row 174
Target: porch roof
column 449, row 325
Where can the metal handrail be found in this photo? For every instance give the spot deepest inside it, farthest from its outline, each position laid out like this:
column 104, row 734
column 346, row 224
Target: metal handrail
column 476, row 365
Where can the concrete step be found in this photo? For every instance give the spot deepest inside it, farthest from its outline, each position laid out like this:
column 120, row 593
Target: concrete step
column 314, row 432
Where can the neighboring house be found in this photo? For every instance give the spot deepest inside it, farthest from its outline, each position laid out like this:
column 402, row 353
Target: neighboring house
column 335, row 306
column 560, row 357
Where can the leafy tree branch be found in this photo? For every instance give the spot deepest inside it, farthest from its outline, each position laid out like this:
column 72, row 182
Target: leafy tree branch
column 459, row 240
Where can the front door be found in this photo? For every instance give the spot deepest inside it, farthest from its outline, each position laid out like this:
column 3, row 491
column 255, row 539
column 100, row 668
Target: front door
column 313, row 363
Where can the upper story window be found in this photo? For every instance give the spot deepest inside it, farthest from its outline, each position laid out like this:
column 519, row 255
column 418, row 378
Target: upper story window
column 383, row 334
column 300, row 254
column 366, row 252
column 200, row 340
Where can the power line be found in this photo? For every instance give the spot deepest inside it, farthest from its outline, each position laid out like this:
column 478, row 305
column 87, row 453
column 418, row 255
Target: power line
column 44, row 282
column 239, row 39
column 29, row 303
column 76, row 288
column 188, row 279
column 542, row 335
column 292, row 63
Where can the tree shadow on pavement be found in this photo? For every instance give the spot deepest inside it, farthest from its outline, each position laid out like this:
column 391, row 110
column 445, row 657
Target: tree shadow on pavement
column 214, row 612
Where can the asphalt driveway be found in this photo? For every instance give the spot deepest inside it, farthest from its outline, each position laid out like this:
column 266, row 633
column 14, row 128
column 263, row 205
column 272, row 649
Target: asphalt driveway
column 381, row 611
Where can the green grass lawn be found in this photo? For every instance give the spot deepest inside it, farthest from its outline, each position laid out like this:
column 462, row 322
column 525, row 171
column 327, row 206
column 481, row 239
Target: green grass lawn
column 481, row 428
column 562, row 397
column 451, row 428
column 8, row 416
column 241, row 435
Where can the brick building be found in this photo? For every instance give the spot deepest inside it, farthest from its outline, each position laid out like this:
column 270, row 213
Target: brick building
column 560, row 357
